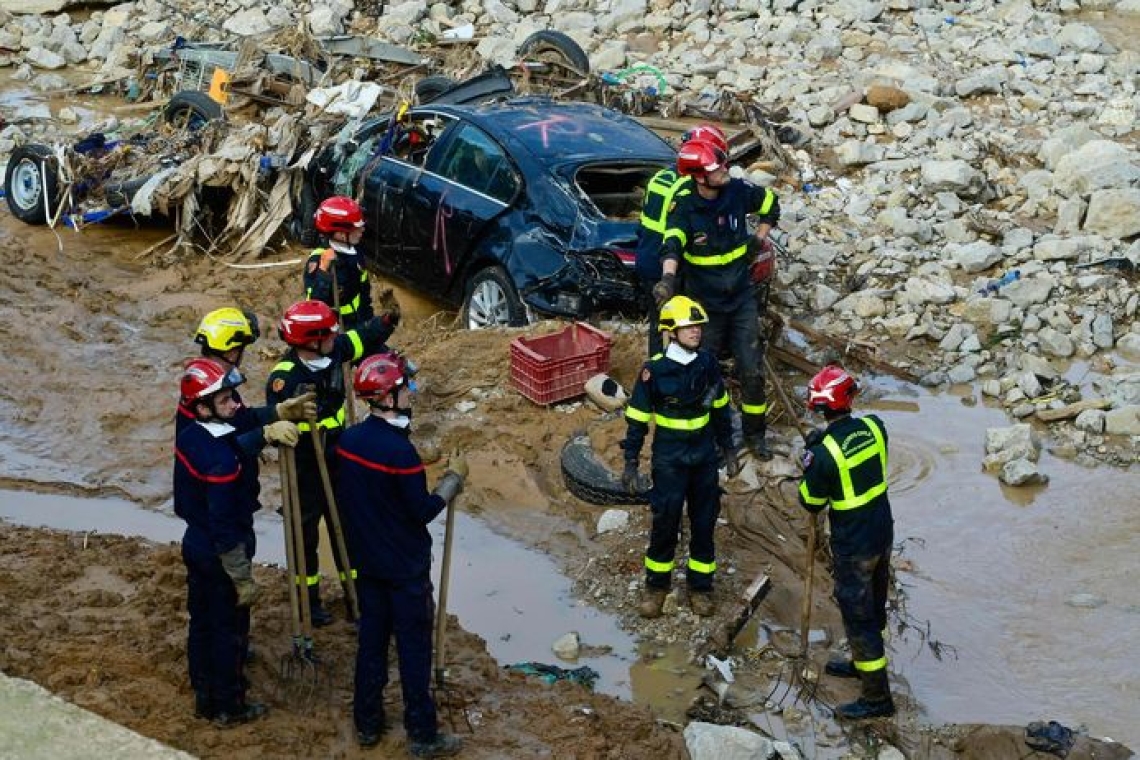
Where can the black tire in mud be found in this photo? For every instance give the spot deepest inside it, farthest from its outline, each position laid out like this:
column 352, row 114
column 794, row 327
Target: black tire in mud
column 31, row 184
column 191, row 110
column 588, row 478
column 544, row 44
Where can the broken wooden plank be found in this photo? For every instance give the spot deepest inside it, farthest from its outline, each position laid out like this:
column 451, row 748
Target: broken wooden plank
column 793, row 359
column 860, row 351
column 1071, row 410
column 722, row 636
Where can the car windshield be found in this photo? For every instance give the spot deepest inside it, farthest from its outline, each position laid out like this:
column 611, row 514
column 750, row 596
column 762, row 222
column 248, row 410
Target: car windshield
column 562, row 131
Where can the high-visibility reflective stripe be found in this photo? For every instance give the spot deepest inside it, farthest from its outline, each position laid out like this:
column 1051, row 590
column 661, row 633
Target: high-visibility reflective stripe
column 342, row 575
column 674, row 423
column 314, row 580
column 845, row 465
column 637, row 415
column 870, row 666
column 282, row 367
column 665, row 184
column 712, row 261
column 769, row 199
column 673, row 232
column 351, row 306
column 658, row 567
column 328, row 422
column 815, row 501
column 722, row 401
column 754, row 408
column 708, row 568
column 357, row 344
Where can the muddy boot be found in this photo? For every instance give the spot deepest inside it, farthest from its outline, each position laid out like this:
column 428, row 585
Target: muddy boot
column 702, row 603
column 204, row 706
column 875, row 702
column 244, row 714
column 652, row 600
column 754, row 439
column 370, row 737
column 840, row 668
column 321, row 617
column 443, row 745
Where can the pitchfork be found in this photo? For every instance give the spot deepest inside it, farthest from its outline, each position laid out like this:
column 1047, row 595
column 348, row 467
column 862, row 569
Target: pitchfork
column 299, row 674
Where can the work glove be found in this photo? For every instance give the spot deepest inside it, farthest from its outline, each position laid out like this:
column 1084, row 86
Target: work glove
column 240, row 570
column 732, row 463
column 388, row 308
column 664, row 289
column 282, row 432
column 813, row 438
column 298, row 408
column 328, row 256
column 629, row 477
column 457, row 463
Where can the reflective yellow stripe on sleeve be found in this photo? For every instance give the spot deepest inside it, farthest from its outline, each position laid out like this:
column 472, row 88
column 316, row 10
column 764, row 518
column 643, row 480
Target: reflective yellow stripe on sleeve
column 815, row 501
column 769, row 199
column 722, row 401
column 357, row 344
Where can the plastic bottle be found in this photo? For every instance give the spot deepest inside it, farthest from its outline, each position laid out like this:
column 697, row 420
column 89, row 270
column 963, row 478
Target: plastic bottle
column 995, row 285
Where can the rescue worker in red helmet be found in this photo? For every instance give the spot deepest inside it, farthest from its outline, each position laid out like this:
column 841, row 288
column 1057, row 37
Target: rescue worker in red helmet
column 314, row 363
column 709, row 231
column 681, row 391
column 216, row 493
column 223, row 335
column 341, row 220
column 845, row 468
column 382, row 488
column 660, row 195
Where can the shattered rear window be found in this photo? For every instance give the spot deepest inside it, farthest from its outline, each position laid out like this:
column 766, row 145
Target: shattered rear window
column 616, row 190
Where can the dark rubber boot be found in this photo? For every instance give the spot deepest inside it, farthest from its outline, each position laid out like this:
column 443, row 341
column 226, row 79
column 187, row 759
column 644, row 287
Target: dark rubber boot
column 321, row 616
column 875, row 702
column 841, row 668
column 247, row 712
column 652, row 600
column 204, row 706
column 755, row 433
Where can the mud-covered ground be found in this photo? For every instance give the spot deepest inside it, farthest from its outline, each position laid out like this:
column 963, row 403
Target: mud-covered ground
column 94, row 336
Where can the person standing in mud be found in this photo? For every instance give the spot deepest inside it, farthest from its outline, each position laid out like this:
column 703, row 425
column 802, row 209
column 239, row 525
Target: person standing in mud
column 341, row 220
column 223, row 335
column 314, row 363
column 216, row 493
column 845, row 468
column 681, row 391
column 382, row 488
column 708, row 230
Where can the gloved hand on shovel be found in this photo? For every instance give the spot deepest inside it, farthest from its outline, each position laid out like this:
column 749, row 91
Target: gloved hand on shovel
column 451, row 483
column 298, row 408
column 240, row 570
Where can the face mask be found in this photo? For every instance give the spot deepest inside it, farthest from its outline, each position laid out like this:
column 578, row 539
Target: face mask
column 316, row 365
column 680, row 354
column 345, row 248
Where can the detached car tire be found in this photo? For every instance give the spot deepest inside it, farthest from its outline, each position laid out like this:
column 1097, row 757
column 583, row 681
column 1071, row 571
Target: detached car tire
column 191, row 110
column 430, row 88
column 550, row 41
column 588, row 478
column 31, row 184
column 492, row 301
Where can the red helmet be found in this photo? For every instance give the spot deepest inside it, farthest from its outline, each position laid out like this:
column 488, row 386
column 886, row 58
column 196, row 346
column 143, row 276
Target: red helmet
column 379, row 375
column 832, row 389
column 307, row 322
column 338, row 214
column 708, row 133
column 203, row 378
column 698, row 158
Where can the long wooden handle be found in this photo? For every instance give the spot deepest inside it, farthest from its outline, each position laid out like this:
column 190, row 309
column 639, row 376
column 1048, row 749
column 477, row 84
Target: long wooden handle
column 290, row 556
column 339, row 544
column 809, row 585
column 302, row 573
column 444, row 583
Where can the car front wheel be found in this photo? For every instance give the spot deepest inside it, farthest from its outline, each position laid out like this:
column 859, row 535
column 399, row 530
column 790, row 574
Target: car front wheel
column 31, row 185
column 492, row 301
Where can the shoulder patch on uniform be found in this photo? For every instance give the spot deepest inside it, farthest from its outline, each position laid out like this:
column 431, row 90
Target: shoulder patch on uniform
column 645, row 374
column 278, row 385
column 313, row 266
column 806, row 459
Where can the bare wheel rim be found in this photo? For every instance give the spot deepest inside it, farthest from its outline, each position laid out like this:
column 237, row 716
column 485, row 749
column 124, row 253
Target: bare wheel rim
column 488, row 306
column 26, row 185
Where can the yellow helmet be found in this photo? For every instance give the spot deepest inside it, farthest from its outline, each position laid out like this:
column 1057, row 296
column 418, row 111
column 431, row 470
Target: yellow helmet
column 681, row 311
column 225, row 329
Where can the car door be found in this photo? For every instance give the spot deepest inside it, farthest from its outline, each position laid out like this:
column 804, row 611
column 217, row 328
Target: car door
column 468, row 182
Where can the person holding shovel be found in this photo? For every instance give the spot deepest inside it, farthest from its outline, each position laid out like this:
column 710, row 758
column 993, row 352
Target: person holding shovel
column 681, row 391
column 315, row 363
column 336, row 275
column 216, row 493
column 845, row 468
column 382, row 489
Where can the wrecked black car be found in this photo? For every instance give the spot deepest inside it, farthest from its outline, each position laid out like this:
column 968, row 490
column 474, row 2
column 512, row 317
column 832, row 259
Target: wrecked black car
column 507, row 210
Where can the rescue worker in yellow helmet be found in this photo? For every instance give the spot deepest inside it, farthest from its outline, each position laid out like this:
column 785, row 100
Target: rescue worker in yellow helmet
column 845, row 468
column 682, row 393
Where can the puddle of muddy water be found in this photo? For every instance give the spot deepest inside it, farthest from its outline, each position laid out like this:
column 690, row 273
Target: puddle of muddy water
column 513, row 597
column 996, row 568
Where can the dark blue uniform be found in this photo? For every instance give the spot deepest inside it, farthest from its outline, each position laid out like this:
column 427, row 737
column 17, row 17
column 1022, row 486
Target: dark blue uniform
column 382, row 489
column 847, row 470
column 711, row 237
column 292, row 377
column 688, row 404
column 660, row 196
column 216, row 493
column 354, row 291
column 246, row 419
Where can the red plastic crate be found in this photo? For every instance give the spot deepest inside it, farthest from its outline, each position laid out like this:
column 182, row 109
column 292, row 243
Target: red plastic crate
column 555, row 367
